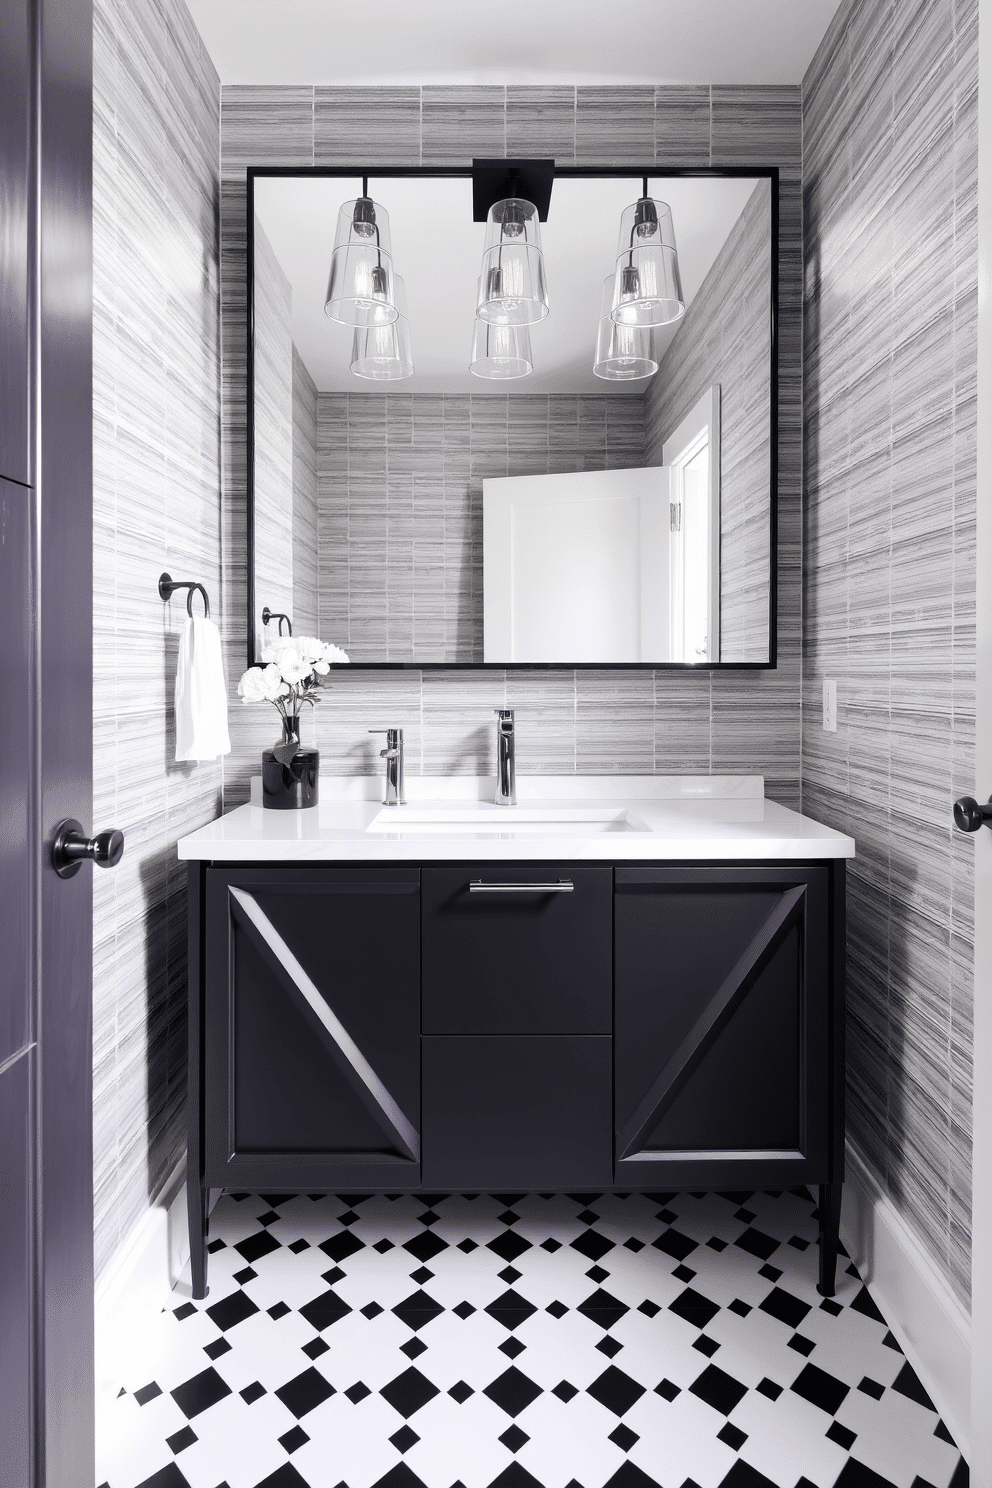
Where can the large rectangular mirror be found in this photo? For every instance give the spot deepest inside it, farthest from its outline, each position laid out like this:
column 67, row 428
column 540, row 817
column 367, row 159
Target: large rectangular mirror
column 445, row 487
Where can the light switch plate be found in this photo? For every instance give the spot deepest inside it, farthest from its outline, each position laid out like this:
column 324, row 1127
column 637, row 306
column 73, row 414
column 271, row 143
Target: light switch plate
column 830, row 707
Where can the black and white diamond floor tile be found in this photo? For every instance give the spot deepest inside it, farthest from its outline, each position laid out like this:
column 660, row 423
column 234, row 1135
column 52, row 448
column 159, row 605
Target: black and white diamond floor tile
column 524, row 1341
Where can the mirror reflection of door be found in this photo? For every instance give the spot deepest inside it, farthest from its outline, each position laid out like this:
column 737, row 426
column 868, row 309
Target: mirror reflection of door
column 693, row 455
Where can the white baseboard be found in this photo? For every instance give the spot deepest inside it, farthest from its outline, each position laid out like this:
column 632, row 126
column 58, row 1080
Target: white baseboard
column 929, row 1322
column 138, row 1283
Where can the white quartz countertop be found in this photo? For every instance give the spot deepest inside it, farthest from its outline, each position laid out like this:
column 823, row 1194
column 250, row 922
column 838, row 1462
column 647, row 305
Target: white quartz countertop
column 613, row 818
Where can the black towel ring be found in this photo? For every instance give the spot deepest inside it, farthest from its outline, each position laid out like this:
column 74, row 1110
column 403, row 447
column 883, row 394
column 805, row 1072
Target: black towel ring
column 270, row 615
column 167, row 586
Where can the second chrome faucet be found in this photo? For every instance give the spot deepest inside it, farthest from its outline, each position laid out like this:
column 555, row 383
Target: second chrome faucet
column 393, row 793
column 506, row 780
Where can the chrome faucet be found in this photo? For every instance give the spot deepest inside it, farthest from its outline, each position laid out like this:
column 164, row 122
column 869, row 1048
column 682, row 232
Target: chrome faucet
column 393, row 793
column 506, row 782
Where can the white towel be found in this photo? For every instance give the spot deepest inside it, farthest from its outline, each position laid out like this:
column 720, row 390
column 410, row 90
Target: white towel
column 201, row 694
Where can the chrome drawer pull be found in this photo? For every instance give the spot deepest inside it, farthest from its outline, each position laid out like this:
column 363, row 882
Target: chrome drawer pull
column 563, row 886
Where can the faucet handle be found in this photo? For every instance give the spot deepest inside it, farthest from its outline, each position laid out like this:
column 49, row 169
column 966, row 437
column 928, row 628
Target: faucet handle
column 393, row 735
column 505, row 715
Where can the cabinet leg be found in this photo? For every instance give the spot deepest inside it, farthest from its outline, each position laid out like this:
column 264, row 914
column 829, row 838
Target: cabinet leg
column 196, row 1207
column 830, row 1199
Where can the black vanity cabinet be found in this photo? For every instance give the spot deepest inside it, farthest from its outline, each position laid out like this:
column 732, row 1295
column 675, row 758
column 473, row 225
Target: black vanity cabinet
column 474, row 1026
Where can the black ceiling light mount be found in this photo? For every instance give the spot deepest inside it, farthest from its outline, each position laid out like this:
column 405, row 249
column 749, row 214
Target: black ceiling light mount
column 498, row 180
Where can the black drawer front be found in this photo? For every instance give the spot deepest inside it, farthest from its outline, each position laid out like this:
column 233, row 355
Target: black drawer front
column 529, row 1113
column 521, row 961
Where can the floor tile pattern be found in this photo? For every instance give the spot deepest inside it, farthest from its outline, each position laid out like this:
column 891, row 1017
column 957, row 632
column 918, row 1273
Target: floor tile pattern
column 525, row 1341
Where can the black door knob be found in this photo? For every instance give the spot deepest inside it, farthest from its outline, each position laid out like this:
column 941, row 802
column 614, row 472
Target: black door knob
column 970, row 814
column 71, row 847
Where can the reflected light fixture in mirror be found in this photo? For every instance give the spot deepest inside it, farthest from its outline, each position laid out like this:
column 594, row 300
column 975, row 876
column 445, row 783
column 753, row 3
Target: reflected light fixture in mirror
column 623, row 352
column 360, row 290
column 648, row 287
column 382, row 353
column 512, row 290
column 501, row 351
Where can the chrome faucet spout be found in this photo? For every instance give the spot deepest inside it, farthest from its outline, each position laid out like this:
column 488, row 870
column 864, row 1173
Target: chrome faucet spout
column 393, row 792
column 506, row 779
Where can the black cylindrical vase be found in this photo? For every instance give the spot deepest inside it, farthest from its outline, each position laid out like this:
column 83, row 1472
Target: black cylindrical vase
column 293, row 785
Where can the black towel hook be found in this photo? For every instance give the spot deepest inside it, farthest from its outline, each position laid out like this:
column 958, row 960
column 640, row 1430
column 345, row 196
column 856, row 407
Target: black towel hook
column 167, row 586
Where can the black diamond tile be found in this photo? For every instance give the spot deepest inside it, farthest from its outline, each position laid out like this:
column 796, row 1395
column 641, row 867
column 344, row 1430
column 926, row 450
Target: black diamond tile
column 358, row 1392
column 408, row 1392
column 460, row 1392
column 629, row 1476
column 707, row 1346
column 216, row 1245
column 634, row 1244
column 602, row 1308
column 769, row 1388
column 253, row 1392
column 840, row 1434
column 274, row 1200
column 551, row 1245
column 565, row 1391
column 428, row 1217
column 299, row 1246
column 864, row 1304
column 798, row 1243
column 180, row 1440
column 371, row 1310
column 623, row 1437
column 592, row 1244
column 616, row 1390
column 718, row 1389
column 609, row 1347
column 257, row 1246
column 245, row 1275
column 383, row 1245
column 871, row 1387
column 942, row 1433
column 745, row 1215
column 422, row 1274
column 315, row 1348
column 508, row 1217
column 417, row 1310
column 650, row 1309
column 666, row 1216
column 513, row 1438
column 293, row 1439
column 512, row 1391
column 147, row 1392
column 694, row 1308
column 333, row 1276
column 167, row 1477
column 431, row 1200
column 200, row 1393
column 413, row 1348
column 556, row 1309
column 349, row 1217
column 509, row 1274
column 675, row 1244
column 597, row 1274
column 741, row 1308
column 468, row 1246
column 511, row 1309
column 891, row 1343
column 854, row 1474
column 508, row 1246
column 683, row 1273
column 732, row 1436
column 587, row 1216
column 285, row 1476
column 181, row 1313
column 268, row 1218
column 757, row 1243
column 404, row 1439
column 770, row 1273
column 325, row 1310
column 218, row 1347
column 828, row 1305
column 340, row 1247
column 667, row 1390
column 277, row 1310
column 585, row 1199
column 304, row 1393
column 907, row 1383
column 804, row 1346
column 785, row 1307
column 715, row 1243
column 511, row 1347
column 425, row 1246
column 463, row 1310
column 821, row 1389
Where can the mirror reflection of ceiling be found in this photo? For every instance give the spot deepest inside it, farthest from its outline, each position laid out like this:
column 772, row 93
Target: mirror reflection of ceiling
column 437, row 251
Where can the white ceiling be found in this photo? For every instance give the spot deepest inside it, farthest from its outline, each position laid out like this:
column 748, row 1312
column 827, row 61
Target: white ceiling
column 512, row 41
column 437, row 250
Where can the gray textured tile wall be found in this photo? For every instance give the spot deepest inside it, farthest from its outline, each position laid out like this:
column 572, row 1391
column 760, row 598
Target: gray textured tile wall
column 585, row 721
column 725, row 338
column 156, row 416
column 890, row 130
column 305, row 534
column 275, row 454
column 400, row 483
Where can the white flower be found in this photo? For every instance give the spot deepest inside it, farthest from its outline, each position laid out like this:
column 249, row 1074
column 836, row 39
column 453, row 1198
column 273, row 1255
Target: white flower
column 262, row 685
column 291, row 661
column 334, row 654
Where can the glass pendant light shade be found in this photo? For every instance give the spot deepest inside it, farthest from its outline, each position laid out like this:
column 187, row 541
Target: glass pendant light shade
column 623, row 352
column 648, row 287
column 512, row 289
column 501, row 351
column 360, row 288
column 382, row 353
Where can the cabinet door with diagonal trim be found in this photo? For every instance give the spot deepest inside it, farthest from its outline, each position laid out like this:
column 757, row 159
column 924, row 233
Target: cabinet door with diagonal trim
column 312, row 1027
column 722, row 1027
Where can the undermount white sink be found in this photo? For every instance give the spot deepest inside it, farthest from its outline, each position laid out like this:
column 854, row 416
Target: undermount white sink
column 577, row 821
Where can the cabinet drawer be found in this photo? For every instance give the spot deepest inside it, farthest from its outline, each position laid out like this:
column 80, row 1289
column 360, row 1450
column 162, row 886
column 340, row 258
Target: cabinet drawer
column 528, row 1112
column 517, row 961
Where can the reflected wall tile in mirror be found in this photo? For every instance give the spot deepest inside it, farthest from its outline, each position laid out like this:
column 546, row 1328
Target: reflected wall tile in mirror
column 614, row 126
column 682, row 125
column 366, row 126
column 540, row 123
column 266, row 126
column 461, row 123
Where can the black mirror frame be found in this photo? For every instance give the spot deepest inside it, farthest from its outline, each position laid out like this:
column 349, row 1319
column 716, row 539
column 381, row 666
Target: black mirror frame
column 569, row 172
